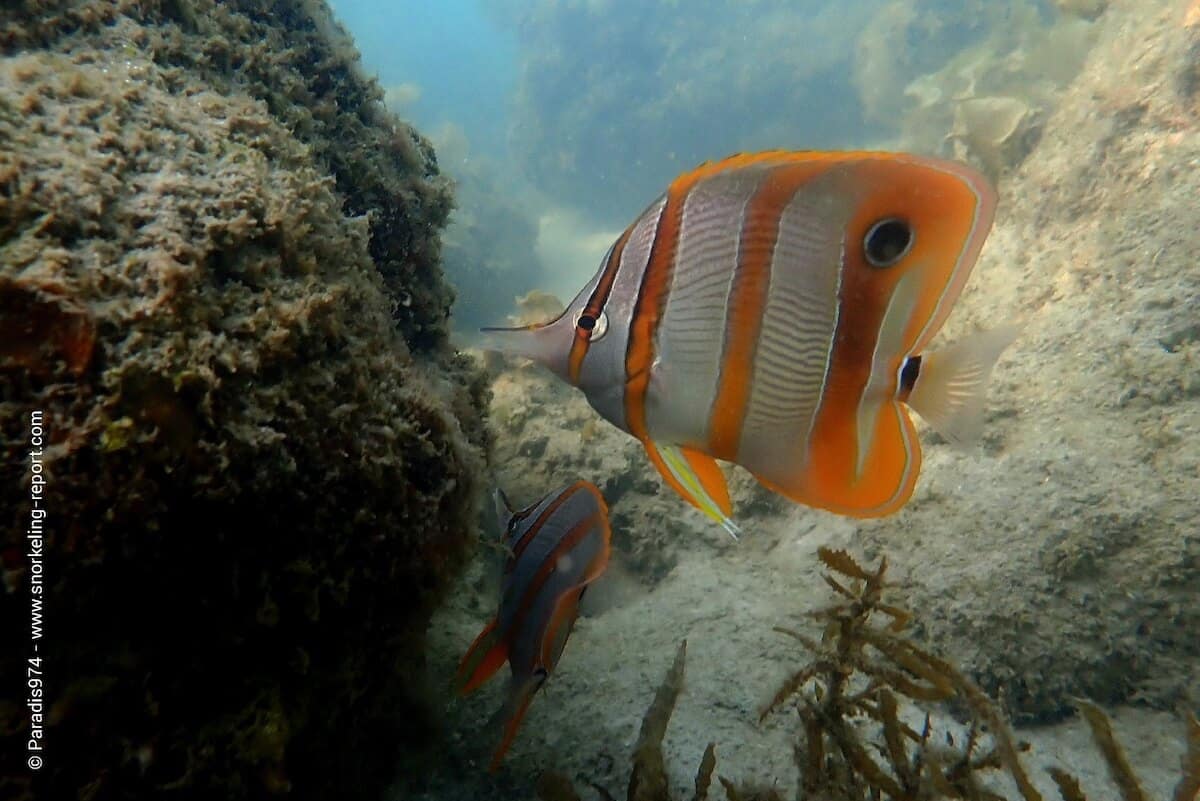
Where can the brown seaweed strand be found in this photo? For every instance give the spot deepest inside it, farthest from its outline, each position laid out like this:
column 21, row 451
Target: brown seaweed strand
column 648, row 781
column 932, row 765
column 1189, row 782
column 731, row 791
column 893, row 736
column 803, row 639
column 842, row 562
column 704, row 774
column 985, row 712
column 859, row 759
column 1119, row 768
column 787, row 690
column 838, row 587
column 874, row 711
column 909, row 657
column 810, row 758
column 1068, row 785
column 900, row 617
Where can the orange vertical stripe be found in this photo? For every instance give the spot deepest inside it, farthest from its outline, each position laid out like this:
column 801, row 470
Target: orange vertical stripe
column 595, row 305
column 747, row 304
column 940, row 205
column 651, row 299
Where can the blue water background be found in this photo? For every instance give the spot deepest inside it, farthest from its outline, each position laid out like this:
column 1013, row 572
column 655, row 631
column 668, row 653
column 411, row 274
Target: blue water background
column 463, row 62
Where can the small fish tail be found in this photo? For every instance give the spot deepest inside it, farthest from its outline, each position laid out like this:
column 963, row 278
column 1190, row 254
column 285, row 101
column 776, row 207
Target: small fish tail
column 509, row 717
column 950, row 389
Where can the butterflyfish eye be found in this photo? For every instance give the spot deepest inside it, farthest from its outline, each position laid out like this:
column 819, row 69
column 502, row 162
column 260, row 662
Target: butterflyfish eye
column 887, row 242
column 595, row 327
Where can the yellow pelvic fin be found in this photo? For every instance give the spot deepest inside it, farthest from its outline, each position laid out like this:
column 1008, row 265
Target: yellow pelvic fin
column 697, row 478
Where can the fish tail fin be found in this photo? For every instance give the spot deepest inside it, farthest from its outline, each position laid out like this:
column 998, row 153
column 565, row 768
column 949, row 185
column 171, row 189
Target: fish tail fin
column 508, row 718
column 698, row 479
column 485, row 656
column 951, row 386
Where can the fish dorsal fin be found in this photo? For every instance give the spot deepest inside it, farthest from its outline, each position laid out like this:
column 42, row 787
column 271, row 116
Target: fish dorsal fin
column 697, row 478
column 485, row 656
column 950, row 389
column 504, row 511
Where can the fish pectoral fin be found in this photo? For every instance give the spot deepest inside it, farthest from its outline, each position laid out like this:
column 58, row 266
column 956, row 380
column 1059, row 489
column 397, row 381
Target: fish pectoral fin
column 482, row 660
column 562, row 620
column 508, row 718
column 697, row 478
column 950, row 389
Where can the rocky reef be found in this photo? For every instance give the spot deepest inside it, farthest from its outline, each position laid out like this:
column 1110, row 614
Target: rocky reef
column 220, row 290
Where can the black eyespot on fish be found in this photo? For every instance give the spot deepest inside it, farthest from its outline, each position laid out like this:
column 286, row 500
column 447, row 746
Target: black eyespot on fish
column 887, row 242
column 908, row 375
column 593, row 326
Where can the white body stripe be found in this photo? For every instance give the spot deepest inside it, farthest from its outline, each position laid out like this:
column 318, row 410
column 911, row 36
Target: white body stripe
column 879, row 390
column 985, row 206
column 603, row 372
column 687, row 368
column 795, row 341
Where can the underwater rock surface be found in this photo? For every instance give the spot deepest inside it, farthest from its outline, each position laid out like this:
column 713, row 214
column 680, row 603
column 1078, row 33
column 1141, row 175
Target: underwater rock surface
column 220, row 288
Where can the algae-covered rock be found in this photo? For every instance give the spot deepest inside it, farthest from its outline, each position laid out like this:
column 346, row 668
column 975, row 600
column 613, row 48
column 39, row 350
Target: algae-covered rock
column 967, row 82
column 996, row 131
column 220, row 293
